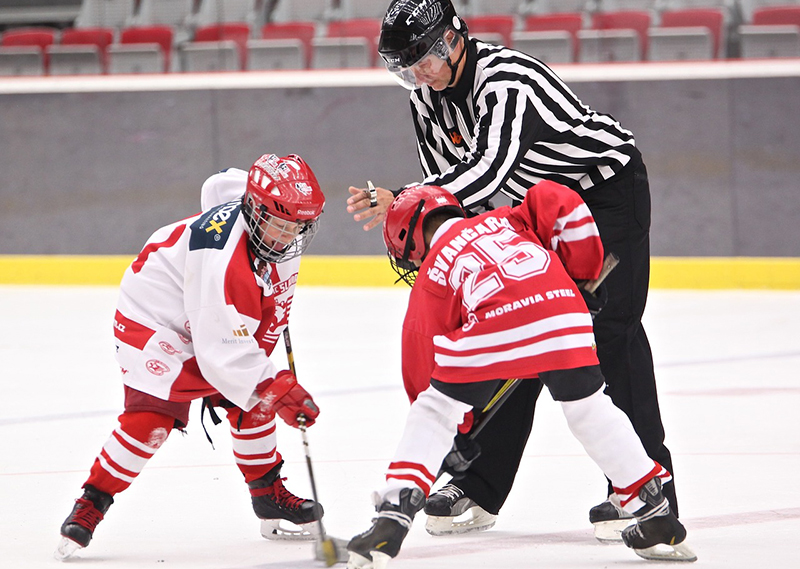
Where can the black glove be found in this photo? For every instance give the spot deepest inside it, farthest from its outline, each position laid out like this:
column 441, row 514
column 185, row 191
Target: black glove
column 464, row 452
column 595, row 301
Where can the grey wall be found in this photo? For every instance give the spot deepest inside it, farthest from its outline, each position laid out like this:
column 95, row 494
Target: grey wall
column 96, row 173
column 723, row 158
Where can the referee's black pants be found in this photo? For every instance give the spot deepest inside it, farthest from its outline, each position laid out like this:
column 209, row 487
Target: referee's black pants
column 621, row 209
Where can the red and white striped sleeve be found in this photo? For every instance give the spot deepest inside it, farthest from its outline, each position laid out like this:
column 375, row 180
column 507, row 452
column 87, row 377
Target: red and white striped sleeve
column 563, row 223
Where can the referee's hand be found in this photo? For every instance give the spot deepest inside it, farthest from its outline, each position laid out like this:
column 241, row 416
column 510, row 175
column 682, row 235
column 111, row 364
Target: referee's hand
column 359, row 205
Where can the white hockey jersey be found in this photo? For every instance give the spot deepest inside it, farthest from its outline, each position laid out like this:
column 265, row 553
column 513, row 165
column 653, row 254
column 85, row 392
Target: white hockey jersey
column 195, row 315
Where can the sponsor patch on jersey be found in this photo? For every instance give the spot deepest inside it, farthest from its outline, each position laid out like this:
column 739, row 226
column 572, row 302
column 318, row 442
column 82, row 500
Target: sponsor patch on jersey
column 169, row 348
column 157, row 367
column 212, row 229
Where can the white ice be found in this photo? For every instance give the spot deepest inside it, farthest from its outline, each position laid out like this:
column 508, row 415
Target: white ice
column 727, row 365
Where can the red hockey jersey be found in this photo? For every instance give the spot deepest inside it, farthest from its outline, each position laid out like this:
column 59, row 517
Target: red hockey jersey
column 495, row 296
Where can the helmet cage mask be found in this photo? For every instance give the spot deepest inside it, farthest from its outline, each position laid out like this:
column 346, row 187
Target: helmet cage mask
column 272, row 239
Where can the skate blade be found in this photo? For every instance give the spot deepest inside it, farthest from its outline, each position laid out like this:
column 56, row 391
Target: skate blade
column 356, row 561
column 66, row 549
column 611, row 531
column 664, row 552
column 477, row 519
column 379, row 561
column 340, row 553
column 287, row 531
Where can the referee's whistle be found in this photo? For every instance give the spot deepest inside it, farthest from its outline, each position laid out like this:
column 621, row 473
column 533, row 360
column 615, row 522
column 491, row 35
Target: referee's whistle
column 373, row 194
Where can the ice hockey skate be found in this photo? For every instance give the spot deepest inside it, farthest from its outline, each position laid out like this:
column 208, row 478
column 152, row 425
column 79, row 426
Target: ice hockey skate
column 609, row 519
column 374, row 548
column 657, row 533
column 78, row 529
column 283, row 515
column 451, row 512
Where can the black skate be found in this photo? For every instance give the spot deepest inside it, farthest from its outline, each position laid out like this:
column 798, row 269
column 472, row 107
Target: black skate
column 78, row 529
column 657, row 533
column 609, row 519
column 273, row 503
column 449, row 503
column 376, row 546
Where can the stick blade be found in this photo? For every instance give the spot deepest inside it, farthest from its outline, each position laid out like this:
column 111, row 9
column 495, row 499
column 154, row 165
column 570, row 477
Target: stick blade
column 331, row 550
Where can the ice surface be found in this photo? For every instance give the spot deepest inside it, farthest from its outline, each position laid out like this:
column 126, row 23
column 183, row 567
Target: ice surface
column 727, row 365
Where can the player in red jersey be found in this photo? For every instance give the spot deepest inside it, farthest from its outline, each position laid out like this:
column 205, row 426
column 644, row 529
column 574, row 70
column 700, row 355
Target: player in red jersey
column 494, row 297
column 199, row 312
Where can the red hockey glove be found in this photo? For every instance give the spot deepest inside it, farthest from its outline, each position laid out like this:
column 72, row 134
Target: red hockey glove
column 287, row 398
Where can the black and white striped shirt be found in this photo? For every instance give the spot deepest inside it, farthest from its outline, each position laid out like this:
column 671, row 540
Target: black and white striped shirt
column 509, row 123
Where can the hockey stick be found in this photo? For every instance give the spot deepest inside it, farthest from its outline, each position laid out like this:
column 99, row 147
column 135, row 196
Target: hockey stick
column 609, row 263
column 492, row 406
column 329, row 552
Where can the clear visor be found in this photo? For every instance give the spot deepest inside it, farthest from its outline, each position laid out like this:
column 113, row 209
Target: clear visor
column 427, row 68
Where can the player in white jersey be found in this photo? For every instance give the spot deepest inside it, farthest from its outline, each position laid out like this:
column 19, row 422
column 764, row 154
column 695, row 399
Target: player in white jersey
column 199, row 313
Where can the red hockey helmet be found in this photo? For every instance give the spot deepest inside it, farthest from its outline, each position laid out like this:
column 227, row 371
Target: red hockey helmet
column 281, row 207
column 403, row 228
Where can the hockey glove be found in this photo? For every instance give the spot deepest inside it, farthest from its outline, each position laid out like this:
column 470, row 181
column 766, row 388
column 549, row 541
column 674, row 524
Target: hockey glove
column 287, row 398
column 462, row 455
column 595, row 301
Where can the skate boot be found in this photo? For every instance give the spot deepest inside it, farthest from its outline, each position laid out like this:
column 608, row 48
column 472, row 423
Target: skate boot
column 657, row 533
column 274, row 504
column 609, row 519
column 375, row 547
column 78, row 528
column 446, row 506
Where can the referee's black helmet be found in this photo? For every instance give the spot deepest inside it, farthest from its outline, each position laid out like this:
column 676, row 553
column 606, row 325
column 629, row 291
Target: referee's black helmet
column 411, row 28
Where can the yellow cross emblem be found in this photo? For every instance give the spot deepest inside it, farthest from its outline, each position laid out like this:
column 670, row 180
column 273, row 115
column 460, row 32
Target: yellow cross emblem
column 215, row 226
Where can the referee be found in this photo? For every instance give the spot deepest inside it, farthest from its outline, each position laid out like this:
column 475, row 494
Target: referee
column 489, row 120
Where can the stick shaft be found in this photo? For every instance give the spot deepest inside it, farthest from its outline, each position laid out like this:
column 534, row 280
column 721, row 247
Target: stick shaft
column 609, row 263
column 494, row 404
column 287, row 340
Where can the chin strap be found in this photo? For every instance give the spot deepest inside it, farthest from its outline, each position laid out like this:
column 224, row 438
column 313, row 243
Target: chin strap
column 454, row 67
